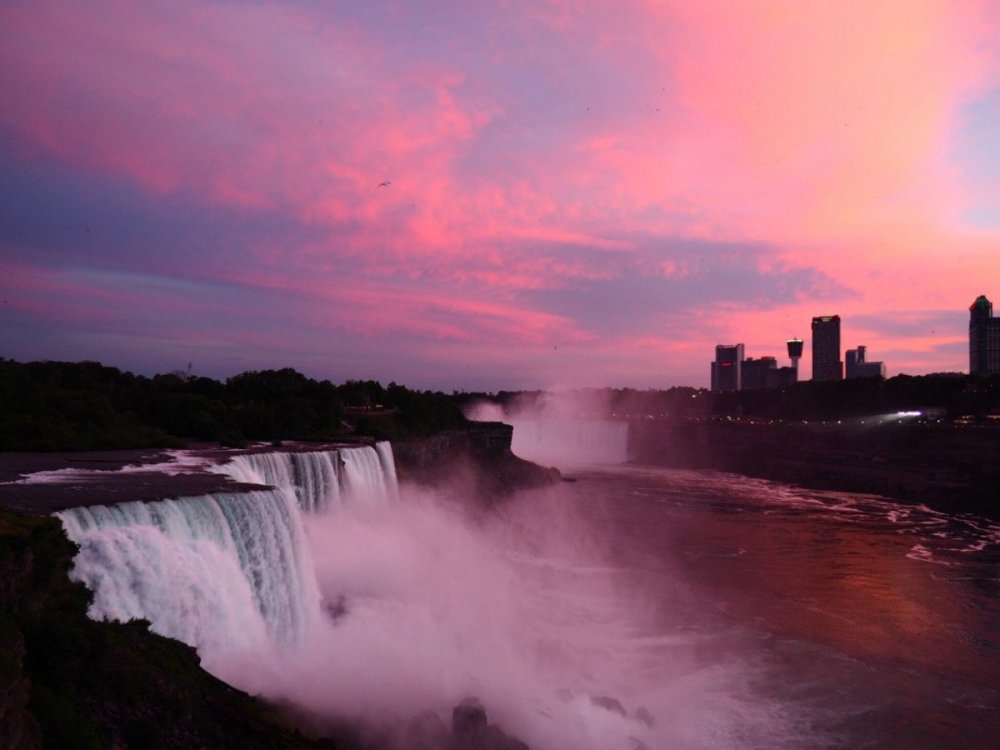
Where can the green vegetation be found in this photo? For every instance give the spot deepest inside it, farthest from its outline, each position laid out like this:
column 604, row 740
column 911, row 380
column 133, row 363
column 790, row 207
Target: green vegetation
column 69, row 682
column 47, row 406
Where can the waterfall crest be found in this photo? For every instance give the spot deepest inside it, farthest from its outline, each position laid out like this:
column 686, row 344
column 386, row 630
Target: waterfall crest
column 221, row 572
column 322, row 479
column 226, row 572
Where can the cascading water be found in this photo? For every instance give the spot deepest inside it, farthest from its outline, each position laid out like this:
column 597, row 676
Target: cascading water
column 228, row 572
column 322, row 479
column 324, row 593
column 221, row 572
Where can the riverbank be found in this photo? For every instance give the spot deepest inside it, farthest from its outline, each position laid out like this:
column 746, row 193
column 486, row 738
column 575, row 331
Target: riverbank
column 478, row 457
column 947, row 465
column 68, row 680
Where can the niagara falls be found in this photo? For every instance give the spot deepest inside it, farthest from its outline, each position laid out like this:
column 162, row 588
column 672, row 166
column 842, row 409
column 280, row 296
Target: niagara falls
column 632, row 607
column 522, row 375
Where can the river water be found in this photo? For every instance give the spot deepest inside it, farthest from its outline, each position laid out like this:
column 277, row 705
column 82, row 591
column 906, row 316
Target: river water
column 764, row 615
column 630, row 608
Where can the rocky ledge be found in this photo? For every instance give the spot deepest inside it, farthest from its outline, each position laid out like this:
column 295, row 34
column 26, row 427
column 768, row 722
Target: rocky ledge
column 478, row 456
column 68, row 681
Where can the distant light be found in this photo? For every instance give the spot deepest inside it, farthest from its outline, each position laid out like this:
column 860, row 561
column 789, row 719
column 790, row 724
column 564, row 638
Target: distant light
column 908, row 413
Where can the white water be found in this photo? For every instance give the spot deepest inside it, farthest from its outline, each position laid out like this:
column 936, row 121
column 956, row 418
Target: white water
column 226, row 573
column 229, row 573
column 329, row 592
column 720, row 611
column 322, row 479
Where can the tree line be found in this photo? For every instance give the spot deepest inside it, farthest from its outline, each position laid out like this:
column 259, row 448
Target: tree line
column 48, row 406
column 950, row 395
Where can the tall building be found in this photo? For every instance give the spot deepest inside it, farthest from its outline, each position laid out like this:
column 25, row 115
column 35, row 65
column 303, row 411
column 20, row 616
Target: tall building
column 795, row 352
column 827, row 364
column 726, row 367
column 984, row 338
column 859, row 367
column 755, row 373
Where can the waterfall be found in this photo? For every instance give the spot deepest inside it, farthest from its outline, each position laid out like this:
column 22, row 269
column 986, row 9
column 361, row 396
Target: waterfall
column 322, row 479
column 220, row 572
column 226, row 572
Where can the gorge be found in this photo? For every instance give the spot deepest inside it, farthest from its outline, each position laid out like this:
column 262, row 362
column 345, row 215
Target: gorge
column 633, row 607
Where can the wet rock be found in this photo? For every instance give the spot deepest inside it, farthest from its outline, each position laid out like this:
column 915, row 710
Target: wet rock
column 471, row 730
column 607, row 702
column 335, row 609
column 642, row 714
column 468, row 718
column 424, row 732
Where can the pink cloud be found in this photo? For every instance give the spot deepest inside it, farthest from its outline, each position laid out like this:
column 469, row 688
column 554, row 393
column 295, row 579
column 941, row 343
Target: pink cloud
column 819, row 133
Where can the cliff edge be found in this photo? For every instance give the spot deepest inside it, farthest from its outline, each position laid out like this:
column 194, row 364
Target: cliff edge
column 68, row 681
column 478, row 454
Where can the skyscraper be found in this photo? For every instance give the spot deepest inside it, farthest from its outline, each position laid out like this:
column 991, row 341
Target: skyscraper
column 726, row 367
column 795, row 351
column 754, row 372
column 827, row 364
column 859, row 367
column 984, row 338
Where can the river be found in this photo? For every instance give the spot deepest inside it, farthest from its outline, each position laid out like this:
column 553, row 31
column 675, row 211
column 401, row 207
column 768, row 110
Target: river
column 630, row 608
column 796, row 618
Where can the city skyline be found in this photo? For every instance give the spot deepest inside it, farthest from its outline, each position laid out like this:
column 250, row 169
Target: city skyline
column 532, row 195
column 826, row 347
column 984, row 338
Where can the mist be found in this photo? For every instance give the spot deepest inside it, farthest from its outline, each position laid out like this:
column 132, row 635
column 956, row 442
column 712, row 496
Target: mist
column 427, row 604
column 385, row 606
column 569, row 430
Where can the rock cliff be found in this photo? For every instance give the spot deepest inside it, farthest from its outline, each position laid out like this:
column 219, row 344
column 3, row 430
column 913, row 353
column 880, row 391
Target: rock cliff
column 479, row 454
column 948, row 465
column 68, row 681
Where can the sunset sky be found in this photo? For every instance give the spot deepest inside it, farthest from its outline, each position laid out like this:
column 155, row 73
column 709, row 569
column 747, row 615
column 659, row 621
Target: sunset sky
column 484, row 194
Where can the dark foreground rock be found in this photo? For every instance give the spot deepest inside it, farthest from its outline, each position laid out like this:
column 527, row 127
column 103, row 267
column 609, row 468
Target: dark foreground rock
column 479, row 455
column 470, row 730
column 69, row 682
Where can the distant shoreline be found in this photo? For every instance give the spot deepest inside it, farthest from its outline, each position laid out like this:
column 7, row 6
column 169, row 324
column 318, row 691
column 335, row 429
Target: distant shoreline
column 946, row 466
column 943, row 465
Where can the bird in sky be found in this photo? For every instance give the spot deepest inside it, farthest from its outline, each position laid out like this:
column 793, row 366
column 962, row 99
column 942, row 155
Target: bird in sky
column 384, row 184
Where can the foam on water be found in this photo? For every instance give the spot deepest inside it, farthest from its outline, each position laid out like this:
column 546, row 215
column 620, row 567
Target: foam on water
column 225, row 573
column 334, row 593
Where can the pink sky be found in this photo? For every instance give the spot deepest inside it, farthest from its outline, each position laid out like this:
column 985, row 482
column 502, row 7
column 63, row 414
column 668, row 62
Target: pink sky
column 582, row 194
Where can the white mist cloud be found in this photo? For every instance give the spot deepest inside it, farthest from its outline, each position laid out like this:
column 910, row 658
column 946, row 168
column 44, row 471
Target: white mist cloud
column 434, row 605
column 566, row 429
column 380, row 612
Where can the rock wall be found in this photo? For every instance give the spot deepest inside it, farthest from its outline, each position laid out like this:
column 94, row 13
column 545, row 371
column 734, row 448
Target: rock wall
column 68, row 681
column 943, row 464
column 479, row 454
